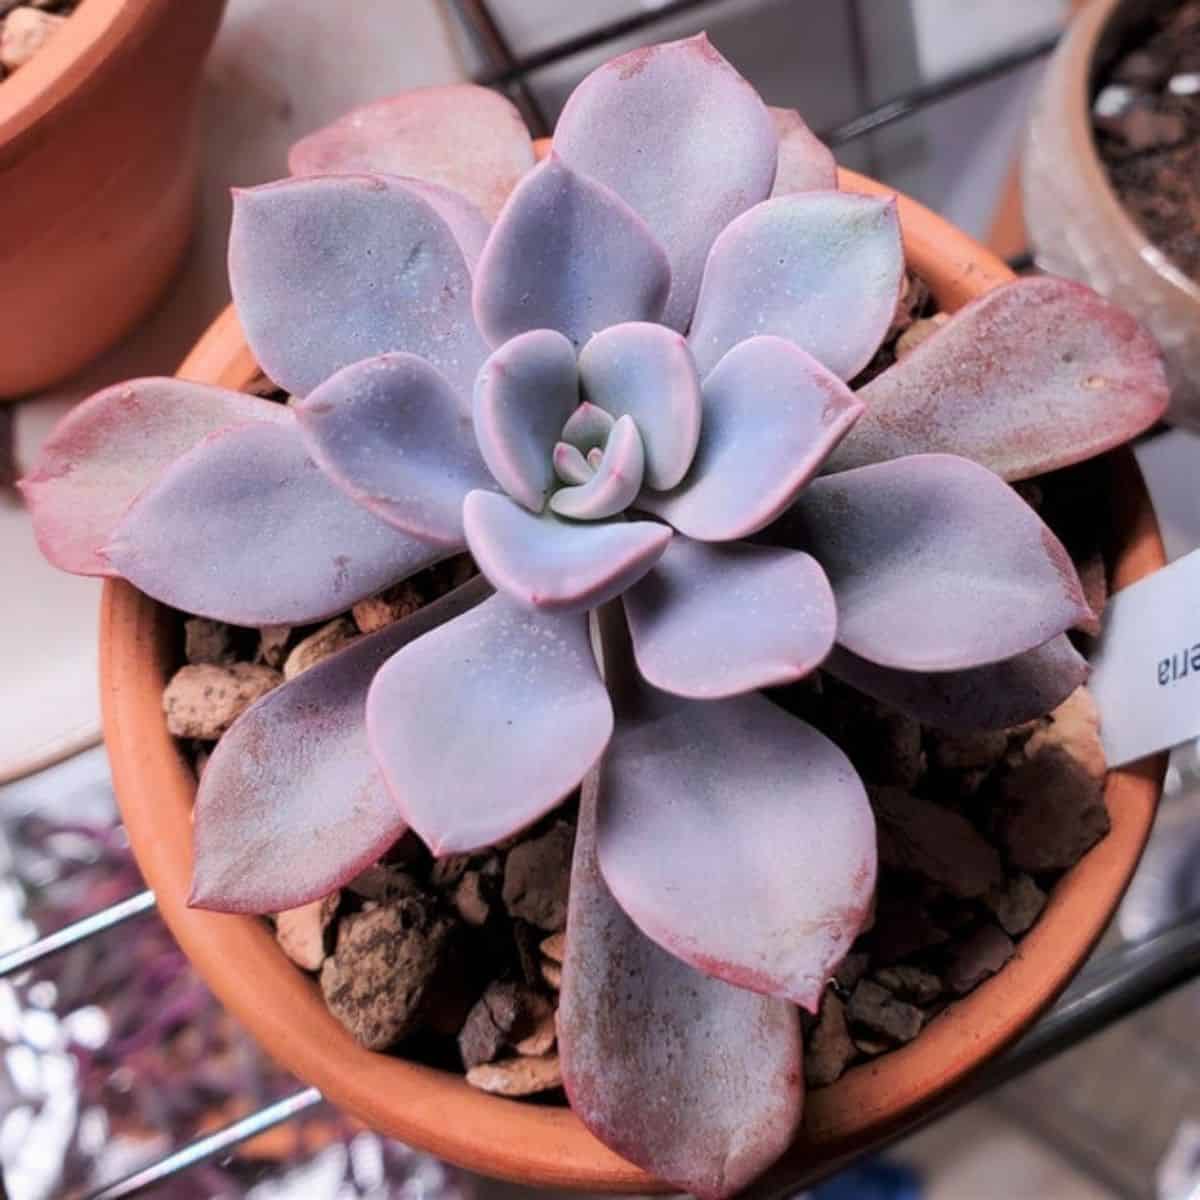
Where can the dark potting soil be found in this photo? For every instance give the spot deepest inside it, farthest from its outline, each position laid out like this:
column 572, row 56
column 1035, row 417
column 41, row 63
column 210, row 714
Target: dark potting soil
column 1146, row 116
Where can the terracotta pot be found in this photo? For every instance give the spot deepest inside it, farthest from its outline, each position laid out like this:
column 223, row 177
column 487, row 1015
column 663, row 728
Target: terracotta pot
column 98, row 158
column 1076, row 221
column 541, row 1145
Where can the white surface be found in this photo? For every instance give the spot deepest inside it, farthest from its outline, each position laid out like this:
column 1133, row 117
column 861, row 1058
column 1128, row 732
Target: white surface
column 278, row 70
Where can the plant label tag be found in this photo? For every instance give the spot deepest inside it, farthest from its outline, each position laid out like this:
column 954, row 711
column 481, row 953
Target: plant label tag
column 1146, row 671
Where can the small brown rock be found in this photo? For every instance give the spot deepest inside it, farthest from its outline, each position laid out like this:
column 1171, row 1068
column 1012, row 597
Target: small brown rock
column 203, row 699
column 471, row 900
column 873, row 1008
column 910, row 983
column 383, row 882
column 206, row 641
column 1017, row 904
column 552, row 974
column 540, row 1040
column 925, row 839
column 517, row 1076
column 384, row 963
column 963, row 751
column 828, row 1048
column 851, row 969
column 300, row 932
column 326, row 641
column 490, row 1023
column 394, row 604
column 872, row 1047
column 554, row 947
column 977, row 958
column 919, row 331
column 448, row 870
column 24, row 32
column 273, row 643
column 1052, row 807
column 537, row 878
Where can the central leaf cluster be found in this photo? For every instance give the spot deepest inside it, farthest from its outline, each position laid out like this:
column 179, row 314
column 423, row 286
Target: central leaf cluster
column 600, row 461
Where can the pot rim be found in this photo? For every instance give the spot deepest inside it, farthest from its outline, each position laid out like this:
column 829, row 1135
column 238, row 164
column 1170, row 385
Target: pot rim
column 548, row 1146
column 1076, row 62
column 96, row 32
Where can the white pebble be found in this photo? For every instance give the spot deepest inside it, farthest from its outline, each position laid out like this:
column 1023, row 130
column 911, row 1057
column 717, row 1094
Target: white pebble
column 1112, row 100
column 1184, row 85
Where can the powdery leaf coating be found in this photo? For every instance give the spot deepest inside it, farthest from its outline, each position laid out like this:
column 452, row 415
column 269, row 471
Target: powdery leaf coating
column 469, row 226
column 466, row 138
column 567, row 254
column 525, row 392
column 771, row 867
column 105, row 451
column 588, row 428
column 330, row 270
column 1033, row 376
column 695, row 1081
column 388, row 431
column 291, row 804
column 993, row 697
column 714, row 621
column 936, row 564
column 615, row 482
column 806, row 164
column 246, row 528
column 821, row 268
column 646, row 371
column 569, row 464
column 683, row 139
column 545, row 562
column 771, row 415
column 485, row 724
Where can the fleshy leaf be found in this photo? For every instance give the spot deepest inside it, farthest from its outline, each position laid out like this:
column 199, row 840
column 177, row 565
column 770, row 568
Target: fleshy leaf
column 771, row 415
column 936, row 564
column 615, row 482
column 388, row 431
column 646, row 371
column 329, row 270
column 588, row 428
column 485, row 724
column 114, row 444
column 806, row 164
column 683, row 139
column 549, row 563
column 246, row 528
column 569, row 464
column 771, row 866
column 993, row 697
column 630, row 1014
column 466, row 138
column 713, row 621
column 291, row 804
column 821, row 268
column 523, row 397
column 1031, row 377
column 567, row 254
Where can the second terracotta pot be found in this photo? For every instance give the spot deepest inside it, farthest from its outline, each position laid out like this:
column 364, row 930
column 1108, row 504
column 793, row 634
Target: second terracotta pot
column 1076, row 221
column 544, row 1145
column 98, row 167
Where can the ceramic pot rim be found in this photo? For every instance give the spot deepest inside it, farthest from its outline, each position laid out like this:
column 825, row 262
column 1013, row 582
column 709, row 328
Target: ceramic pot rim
column 94, row 33
column 1077, row 59
column 548, row 1146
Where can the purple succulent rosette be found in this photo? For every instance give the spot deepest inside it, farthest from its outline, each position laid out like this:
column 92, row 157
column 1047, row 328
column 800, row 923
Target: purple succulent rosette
column 620, row 378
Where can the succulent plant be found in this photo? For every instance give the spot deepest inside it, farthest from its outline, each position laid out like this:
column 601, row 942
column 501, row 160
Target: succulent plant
column 629, row 396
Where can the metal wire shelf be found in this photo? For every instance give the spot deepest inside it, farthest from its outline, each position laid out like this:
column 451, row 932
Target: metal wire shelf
column 1111, row 987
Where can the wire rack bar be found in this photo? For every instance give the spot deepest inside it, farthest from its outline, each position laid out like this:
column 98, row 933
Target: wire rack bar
column 70, row 935
column 948, row 86
column 215, row 1145
column 583, row 42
